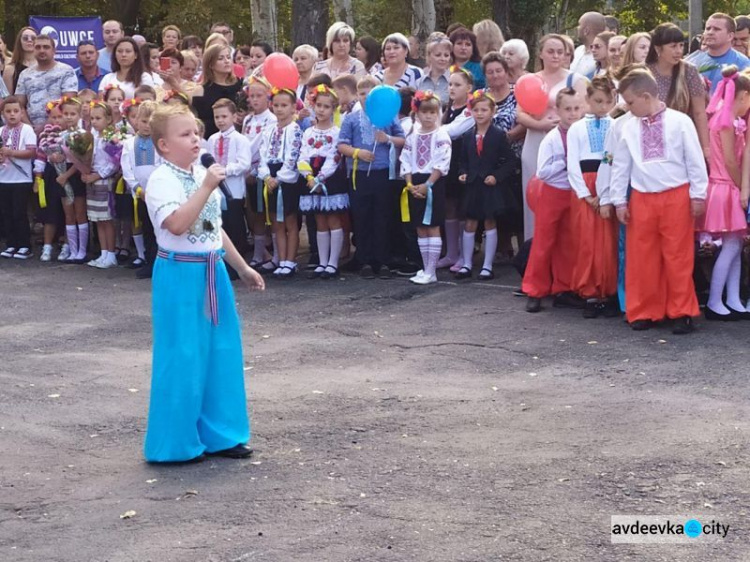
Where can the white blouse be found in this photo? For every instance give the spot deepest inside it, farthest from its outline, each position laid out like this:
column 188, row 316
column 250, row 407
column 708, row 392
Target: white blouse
column 425, row 152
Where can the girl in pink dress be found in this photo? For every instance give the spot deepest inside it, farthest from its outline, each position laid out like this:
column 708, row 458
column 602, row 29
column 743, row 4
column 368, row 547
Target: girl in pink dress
column 724, row 214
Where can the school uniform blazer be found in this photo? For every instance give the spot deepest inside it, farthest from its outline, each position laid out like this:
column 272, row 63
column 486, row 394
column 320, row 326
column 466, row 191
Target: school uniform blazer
column 497, row 159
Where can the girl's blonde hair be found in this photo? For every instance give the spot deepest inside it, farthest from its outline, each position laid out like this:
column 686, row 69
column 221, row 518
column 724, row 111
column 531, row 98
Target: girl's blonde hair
column 146, row 109
column 489, row 35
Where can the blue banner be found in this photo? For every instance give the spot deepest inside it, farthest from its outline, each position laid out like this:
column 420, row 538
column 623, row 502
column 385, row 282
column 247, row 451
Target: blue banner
column 67, row 33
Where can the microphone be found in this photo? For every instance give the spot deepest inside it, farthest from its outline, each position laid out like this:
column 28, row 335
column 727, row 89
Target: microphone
column 207, row 160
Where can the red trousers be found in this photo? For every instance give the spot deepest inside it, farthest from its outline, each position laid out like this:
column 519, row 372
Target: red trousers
column 595, row 269
column 660, row 256
column 552, row 250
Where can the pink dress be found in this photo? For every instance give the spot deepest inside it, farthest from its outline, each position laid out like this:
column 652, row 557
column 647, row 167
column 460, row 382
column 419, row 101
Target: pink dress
column 724, row 211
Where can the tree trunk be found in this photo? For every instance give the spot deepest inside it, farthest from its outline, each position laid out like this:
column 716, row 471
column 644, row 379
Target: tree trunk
column 309, row 22
column 501, row 15
column 263, row 14
column 127, row 12
column 342, row 11
column 443, row 14
column 423, row 18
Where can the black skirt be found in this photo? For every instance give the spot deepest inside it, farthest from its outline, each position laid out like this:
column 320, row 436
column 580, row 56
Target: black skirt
column 485, row 202
column 336, row 197
column 417, row 207
column 290, row 193
column 124, row 206
column 75, row 181
column 53, row 194
column 254, row 194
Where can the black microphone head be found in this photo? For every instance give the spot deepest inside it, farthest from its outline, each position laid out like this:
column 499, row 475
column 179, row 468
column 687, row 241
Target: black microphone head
column 207, row 160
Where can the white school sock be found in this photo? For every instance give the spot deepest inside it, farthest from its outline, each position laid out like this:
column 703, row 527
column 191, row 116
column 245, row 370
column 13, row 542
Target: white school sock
column 434, row 245
column 140, row 246
column 452, row 240
column 104, row 256
column 468, row 249
column 461, row 256
column 490, row 247
column 260, row 247
column 337, row 243
column 424, row 249
column 324, row 247
column 71, row 232
column 733, row 284
column 83, row 240
column 275, row 257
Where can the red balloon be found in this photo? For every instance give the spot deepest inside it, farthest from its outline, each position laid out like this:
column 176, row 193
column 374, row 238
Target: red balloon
column 532, row 95
column 281, row 72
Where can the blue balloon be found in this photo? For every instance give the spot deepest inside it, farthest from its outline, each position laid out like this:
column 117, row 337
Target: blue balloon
column 382, row 105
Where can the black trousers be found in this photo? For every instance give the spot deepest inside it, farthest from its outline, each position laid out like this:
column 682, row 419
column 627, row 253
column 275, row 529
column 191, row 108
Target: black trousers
column 149, row 238
column 370, row 204
column 14, row 201
column 234, row 224
column 402, row 236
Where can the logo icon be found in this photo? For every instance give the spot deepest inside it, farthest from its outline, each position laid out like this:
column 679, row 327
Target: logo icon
column 52, row 32
column 693, row 528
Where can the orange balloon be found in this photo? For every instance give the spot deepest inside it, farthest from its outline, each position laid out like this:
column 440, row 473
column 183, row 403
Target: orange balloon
column 532, row 95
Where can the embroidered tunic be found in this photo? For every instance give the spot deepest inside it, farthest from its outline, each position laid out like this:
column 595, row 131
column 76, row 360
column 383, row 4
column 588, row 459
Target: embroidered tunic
column 425, row 152
column 320, row 144
column 139, row 160
column 281, row 146
column 17, row 138
column 585, row 143
column 253, row 127
column 658, row 153
column 169, row 187
column 233, row 151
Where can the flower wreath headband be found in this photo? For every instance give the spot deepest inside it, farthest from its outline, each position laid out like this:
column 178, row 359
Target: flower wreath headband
column 259, row 80
column 480, row 95
column 455, row 68
column 322, row 89
column 176, row 94
column 52, row 105
column 129, row 104
column 98, row 103
column 423, row 96
column 276, row 91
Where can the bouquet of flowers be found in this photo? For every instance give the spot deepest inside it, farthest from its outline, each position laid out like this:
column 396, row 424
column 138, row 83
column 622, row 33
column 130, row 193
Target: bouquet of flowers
column 79, row 148
column 51, row 143
column 115, row 137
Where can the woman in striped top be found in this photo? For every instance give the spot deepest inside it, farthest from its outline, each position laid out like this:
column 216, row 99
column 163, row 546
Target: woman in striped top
column 399, row 73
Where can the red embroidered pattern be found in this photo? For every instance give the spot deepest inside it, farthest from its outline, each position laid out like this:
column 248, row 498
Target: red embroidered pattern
column 653, row 145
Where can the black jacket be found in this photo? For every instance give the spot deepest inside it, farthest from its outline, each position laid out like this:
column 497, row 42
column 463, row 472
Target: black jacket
column 497, row 159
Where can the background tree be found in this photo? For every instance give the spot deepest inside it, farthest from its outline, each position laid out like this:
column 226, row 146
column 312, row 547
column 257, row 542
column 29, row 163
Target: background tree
column 309, row 22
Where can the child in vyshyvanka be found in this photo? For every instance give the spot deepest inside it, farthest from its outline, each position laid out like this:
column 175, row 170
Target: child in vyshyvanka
column 660, row 157
column 198, row 404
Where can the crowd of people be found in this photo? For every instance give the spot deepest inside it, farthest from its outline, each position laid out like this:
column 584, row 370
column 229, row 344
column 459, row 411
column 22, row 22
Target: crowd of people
column 602, row 200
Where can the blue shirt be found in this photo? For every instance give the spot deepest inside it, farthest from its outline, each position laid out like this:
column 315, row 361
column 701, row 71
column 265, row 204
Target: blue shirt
column 83, row 83
column 105, row 61
column 476, row 71
column 358, row 132
column 710, row 67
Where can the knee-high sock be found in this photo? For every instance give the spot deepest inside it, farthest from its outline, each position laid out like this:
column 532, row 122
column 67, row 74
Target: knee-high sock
column 337, row 243
column 490, row 247
column 139, row 245
column 452, row 240
column 324, row 247
column 83, row 239
column 434, row 245
column 71, row 231
column 468, row 248
column 424, row 249
column 730, row 249
column 735, row 273
column 259, row 251
column 275, row 258
column 461, row 256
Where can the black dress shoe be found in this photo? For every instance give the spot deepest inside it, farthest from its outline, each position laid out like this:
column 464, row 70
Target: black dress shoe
column 533, row 305
column 568, row 300
column 716, row 317
column 145, row 272
column 641, row 325
column 592, row 309
column 236, row 452
column 367, row 272
column 463, row 273
column 740, row 315
column 682, row 326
